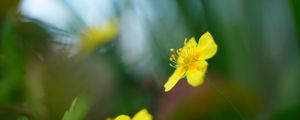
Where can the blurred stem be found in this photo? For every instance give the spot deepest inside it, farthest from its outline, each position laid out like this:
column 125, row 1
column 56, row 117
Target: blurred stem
column 295, row 9
column 217, row 90
column 11, row 89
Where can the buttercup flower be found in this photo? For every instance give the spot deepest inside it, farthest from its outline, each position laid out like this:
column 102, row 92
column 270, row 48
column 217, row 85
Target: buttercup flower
column 141, row 115
column 190, row 61
column 94, row 36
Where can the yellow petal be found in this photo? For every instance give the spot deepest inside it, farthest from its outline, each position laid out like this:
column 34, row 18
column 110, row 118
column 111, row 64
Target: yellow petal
column 196, row 73
column 206, row 46
column 190, row 43
column 142, row 115
column 178, row 73
column 122, row 117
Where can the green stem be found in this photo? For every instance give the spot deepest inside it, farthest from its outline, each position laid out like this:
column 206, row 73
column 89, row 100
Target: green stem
column 211, row 84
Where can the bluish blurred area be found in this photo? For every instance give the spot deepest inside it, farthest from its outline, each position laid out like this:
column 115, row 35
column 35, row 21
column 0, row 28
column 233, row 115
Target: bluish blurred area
column 115, row 54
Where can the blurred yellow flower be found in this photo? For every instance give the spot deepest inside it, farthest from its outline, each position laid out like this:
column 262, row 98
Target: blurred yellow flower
column 93, row 37
column 141, row 115
column 190, row 61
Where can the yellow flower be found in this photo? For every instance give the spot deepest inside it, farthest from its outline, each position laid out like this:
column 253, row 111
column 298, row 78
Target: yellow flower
column 141, row 115
column 98, row 35
column 190, row 61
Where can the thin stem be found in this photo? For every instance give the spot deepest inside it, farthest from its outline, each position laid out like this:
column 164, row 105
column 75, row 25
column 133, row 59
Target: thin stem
column 225, row 98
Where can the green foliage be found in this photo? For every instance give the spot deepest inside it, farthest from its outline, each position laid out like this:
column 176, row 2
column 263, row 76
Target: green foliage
column 12, row 61
column 77, row 110
column 291, row 113
column 23, row 118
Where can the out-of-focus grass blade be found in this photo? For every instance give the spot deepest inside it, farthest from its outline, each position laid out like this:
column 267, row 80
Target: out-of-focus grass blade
column 78, row 109
column 12, row 61
column 295, row 9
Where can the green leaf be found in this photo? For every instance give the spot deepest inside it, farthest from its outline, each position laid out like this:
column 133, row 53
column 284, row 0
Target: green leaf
column 78, row 109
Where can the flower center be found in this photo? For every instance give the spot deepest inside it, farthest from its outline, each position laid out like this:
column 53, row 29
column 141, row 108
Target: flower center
column 183, row 57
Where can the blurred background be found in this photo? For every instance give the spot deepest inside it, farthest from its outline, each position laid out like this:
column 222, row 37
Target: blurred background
column 113, row 55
